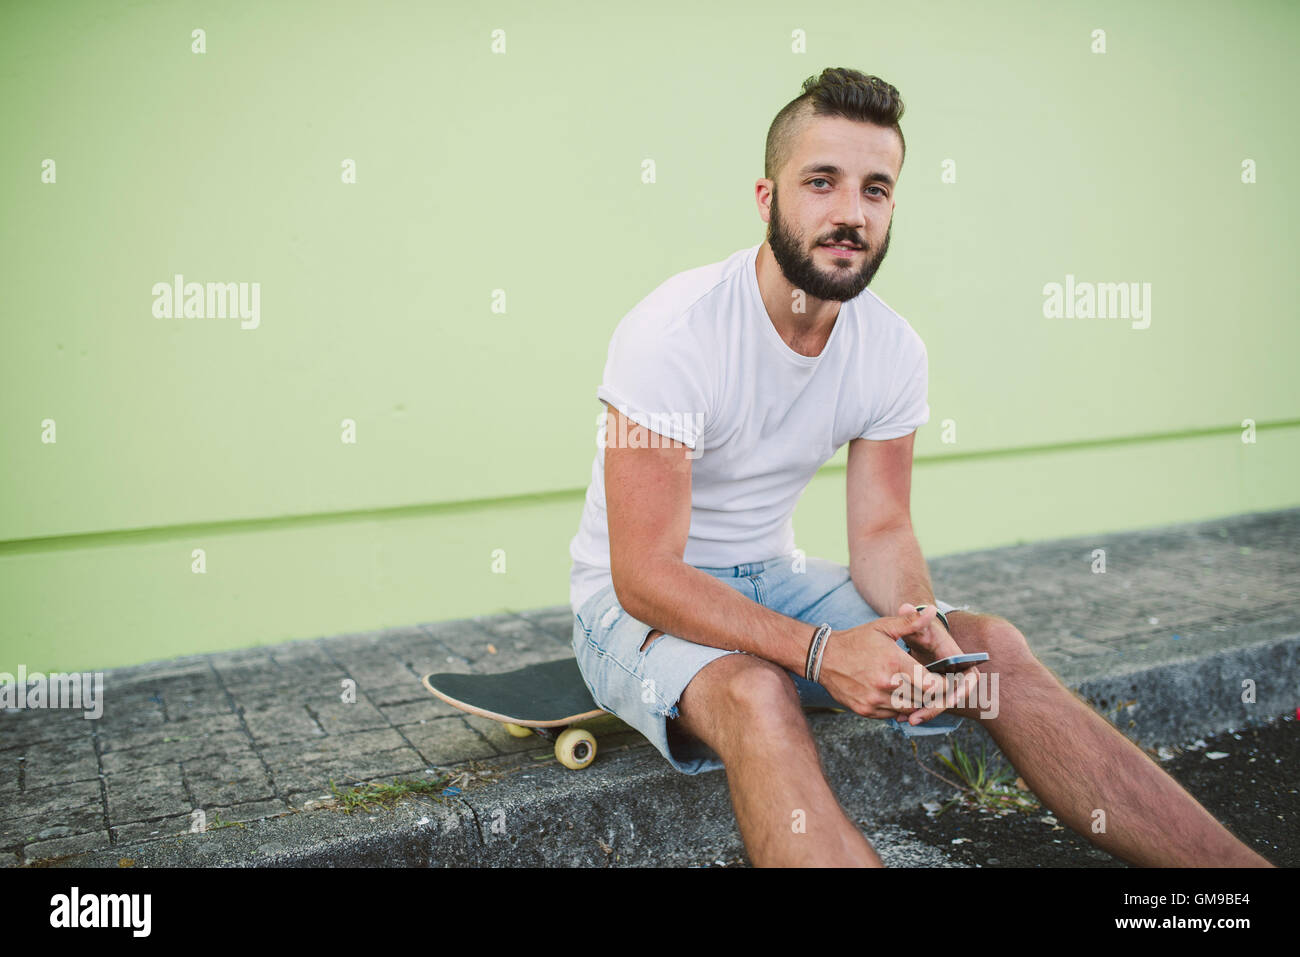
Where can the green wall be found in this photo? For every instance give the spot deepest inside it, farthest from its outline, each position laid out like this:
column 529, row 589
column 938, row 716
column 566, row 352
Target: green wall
column 522, row 171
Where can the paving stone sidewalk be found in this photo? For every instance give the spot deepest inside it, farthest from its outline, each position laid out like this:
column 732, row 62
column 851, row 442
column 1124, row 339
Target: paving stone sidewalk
column 255, row 734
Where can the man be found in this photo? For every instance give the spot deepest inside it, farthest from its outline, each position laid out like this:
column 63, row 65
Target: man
column 697, row 621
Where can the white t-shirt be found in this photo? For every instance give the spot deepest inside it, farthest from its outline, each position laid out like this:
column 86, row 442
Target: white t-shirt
column 698, row 360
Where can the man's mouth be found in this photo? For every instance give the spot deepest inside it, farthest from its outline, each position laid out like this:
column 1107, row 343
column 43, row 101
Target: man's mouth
column 843, row 249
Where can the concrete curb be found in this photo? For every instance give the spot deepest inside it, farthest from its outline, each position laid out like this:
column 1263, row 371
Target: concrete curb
column 632, row 809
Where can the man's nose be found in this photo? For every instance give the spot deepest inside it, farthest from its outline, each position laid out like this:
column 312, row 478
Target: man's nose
column 849, row 213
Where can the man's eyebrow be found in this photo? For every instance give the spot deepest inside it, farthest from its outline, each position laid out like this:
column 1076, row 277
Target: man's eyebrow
column 833, row 170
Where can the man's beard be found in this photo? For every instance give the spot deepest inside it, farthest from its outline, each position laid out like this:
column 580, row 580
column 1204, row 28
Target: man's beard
column 836, row 283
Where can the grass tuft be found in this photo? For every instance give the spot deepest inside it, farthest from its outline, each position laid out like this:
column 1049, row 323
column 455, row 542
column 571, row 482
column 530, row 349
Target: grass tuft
column 984, row 784
column 374, row 795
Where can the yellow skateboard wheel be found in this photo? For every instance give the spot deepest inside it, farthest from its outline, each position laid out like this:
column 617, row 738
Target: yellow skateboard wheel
column 576, row 748
column 516, row 731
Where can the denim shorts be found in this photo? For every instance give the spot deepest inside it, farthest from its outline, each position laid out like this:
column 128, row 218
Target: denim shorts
column 643, row 687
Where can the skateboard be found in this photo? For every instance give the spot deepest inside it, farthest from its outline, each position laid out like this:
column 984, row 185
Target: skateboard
column 543, row 699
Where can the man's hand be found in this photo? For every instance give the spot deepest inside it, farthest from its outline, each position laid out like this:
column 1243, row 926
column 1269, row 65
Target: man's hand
column 862, row 667
column 931, row 643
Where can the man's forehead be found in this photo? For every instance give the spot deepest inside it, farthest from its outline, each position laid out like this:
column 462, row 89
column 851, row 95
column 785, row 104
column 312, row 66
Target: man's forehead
column 847, row 145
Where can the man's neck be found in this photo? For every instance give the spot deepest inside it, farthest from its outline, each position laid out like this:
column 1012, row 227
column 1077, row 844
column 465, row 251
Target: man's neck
column 804, row 332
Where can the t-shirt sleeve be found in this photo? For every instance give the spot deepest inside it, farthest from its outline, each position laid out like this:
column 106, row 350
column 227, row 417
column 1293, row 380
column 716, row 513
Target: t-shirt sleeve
column 657, row 375
column 907, row 407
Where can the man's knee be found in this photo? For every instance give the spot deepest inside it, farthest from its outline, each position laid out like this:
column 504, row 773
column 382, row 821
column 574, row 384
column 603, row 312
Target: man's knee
column 1006, row 646
column 1012, row 667
column 733, row 691
column 740, row 682
column 760, row 688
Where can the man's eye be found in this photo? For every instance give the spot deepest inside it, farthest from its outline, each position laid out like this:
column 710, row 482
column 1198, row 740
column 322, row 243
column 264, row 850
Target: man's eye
column 822, row 179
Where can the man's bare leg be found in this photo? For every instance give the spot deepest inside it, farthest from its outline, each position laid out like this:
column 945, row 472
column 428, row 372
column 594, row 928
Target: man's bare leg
column 1078, row 763
column 747, row 710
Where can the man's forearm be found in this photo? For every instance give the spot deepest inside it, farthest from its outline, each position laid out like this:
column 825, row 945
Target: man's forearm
column 681, row 600
column 888, row 569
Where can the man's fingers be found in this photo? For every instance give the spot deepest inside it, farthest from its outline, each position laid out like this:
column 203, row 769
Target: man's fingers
column 958, row 694
column 905, row 625
column 919, row 620
column 912, row 685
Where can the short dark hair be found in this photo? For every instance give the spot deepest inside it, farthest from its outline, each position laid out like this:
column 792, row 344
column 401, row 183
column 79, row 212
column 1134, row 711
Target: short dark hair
column 837, row 92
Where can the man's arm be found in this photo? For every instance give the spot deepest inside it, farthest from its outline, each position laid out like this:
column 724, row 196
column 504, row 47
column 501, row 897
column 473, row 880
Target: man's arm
column 885, row 558
column 648, row 500
column 888, row 570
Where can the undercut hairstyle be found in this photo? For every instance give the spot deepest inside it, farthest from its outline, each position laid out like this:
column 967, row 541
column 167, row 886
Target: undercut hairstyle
column 837, row 92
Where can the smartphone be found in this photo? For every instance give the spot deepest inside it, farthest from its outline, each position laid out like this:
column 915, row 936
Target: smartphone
column 956, row 663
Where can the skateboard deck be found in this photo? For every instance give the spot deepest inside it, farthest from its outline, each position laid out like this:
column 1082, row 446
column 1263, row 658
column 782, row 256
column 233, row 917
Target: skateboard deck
column 543, row 699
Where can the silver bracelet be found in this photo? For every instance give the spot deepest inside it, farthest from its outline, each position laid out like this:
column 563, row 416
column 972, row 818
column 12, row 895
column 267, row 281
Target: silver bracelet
column 817, row 665
column 813, row 666
column 812, row 649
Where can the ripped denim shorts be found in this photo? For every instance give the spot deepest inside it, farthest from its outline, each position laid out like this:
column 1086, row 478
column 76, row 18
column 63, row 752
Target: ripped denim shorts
column 643, row 687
